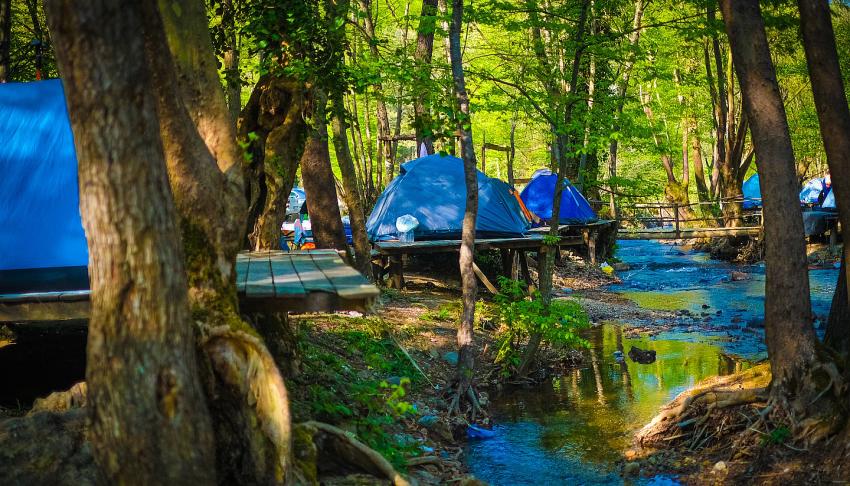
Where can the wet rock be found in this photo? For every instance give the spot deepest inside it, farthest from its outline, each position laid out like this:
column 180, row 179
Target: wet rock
column 631, row 469
column 755, row 323
column 739, row 276
column 705, row 306
column 737, row 320
column 451, row 358
column 621, row 267
column 720, row 312
column 642, row 356
column 618, row 357
column 394, row 380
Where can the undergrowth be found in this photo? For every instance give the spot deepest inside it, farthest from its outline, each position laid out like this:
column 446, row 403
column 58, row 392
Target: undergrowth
column 359, row 379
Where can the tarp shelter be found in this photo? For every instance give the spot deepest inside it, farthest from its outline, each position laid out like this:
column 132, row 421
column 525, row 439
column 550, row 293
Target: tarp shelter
column 42, row 242
column 432, row 189
column 752, row 192
column 540, row 192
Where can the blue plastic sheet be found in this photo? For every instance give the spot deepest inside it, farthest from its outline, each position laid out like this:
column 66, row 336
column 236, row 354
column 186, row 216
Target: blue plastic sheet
column 540, row 192
column 432, row 190
column 40, row 224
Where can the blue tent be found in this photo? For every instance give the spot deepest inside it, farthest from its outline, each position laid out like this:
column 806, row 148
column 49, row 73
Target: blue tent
column 752, row 192
column 432, row 189
column 540, row 192
column 39, row 196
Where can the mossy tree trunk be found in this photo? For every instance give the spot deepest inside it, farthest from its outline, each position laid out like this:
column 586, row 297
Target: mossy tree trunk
column 149, row 420
column 274, row 115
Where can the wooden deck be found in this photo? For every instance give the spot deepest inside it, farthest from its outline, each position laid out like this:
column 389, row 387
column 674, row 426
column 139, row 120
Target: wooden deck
column 270, row 281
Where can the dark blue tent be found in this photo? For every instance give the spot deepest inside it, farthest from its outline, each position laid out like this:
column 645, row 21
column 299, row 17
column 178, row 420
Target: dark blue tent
column 432, row 189
column 752, row 192
column 40, row 226
column 540, row 192
column 811, row 190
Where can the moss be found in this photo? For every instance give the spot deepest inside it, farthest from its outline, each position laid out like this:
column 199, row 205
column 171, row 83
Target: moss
column 306, row 453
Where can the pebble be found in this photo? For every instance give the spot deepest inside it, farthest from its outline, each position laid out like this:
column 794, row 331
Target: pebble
column 451, row 358
column 719, row 467
column 631, row 469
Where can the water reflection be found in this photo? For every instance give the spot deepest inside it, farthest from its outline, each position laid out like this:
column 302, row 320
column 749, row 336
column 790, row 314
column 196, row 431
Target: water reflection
column 574, row 428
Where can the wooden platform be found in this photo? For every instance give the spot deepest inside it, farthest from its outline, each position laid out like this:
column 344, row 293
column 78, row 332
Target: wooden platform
column 587, row 234
column 271, row 281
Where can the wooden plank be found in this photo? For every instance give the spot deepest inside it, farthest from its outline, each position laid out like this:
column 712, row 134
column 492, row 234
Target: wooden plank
column 486, row 281
column 241, row 271
column 30, row 297
column 312, row 278
column 347, row 281
column 259, row 283
column 285, row 278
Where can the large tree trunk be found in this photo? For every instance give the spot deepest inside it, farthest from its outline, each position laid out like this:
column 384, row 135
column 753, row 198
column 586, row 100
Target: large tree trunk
column 353, row 199
column 834, row 118
column 149, row 421
column 274, row 115
column 319, row 183
column 422, row 75
column 5, row 38
column 798, row 365
column 465, row 365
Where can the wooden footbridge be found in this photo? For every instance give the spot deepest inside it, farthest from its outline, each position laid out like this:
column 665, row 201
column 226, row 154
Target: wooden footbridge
column 670, row 221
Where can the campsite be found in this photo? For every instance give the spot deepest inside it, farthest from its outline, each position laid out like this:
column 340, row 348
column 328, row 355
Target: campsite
column 408, row 243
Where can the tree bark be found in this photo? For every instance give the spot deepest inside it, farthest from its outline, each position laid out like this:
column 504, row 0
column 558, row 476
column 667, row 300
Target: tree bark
column 465, row 365
column 274, row 115
column 319, row 183
column 362, row 248
column 797, row 362
column 834, row 117
column 5, row 38
column 837, row 329
column 232, row 78
column 149, row 421
column 422, row 75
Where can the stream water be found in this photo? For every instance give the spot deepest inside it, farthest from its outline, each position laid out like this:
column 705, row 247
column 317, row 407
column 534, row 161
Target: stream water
column 574, row 428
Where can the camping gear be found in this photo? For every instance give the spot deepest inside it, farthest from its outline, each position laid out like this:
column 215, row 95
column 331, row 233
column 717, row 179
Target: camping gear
column 42, row 243
column 405, row 226
column 752, row 192
column 432, row 189
column 540, row 192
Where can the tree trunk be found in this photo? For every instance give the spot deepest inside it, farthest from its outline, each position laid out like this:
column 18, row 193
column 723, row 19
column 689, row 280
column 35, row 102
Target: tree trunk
column 362, row 248
column 319, row 183
column 422, row 75
column 149, row 421
column 274, row 115
column 465, row 365
column 621, row 89
column 38, row 38
column 798, row 365
column 232, row 79
column 5, row 38
column 703, row 192
column 838, row 325
column 512, row 153
column 834, row 117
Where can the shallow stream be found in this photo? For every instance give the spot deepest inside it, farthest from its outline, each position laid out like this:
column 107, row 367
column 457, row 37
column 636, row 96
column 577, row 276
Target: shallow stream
column 574, row 428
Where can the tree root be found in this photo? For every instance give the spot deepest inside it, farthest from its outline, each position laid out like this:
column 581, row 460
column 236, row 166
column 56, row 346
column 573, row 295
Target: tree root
column 474, row 408
column 333, row 449
column 250, row 406
column 75, row 397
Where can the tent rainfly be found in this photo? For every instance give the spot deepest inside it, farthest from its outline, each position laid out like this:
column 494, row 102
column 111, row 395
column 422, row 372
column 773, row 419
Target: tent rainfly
column 540, row 192
column 752, row 192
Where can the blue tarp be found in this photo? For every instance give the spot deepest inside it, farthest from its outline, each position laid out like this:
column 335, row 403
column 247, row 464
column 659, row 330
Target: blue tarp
column 540, row 192
column 40, row 224
column 432, row 189
column 811, row 191
column 752, row 192
column 829, row 200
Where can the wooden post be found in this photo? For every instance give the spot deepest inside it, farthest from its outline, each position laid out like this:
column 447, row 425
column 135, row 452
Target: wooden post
column 396, row 272
column 507, row 262
column 591, row 247
column 523, row 264
column 484, row 153
column 676, row 216
column 486, row 281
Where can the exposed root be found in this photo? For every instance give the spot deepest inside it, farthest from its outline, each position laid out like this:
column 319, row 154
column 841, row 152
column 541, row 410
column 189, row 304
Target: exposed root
column 474, row 408
column 75, row 397
column 250, row 401
column 335, row 450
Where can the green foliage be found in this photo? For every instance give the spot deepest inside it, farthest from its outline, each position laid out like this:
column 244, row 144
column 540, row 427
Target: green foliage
column 557, row 322
column 776, row 436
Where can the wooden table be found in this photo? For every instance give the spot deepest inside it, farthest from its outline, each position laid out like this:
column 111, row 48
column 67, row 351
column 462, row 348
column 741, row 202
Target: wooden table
column 267, row 281
column 509, row 248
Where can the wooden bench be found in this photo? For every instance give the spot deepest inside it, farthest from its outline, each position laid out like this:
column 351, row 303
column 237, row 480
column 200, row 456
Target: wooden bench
column 267, row 281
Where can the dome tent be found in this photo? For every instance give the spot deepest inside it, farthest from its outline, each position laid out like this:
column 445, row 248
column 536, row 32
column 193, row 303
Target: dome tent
column 540, row 192
column 432, row 189
column 811, row 190
column 752, row 192
column 42, row 243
